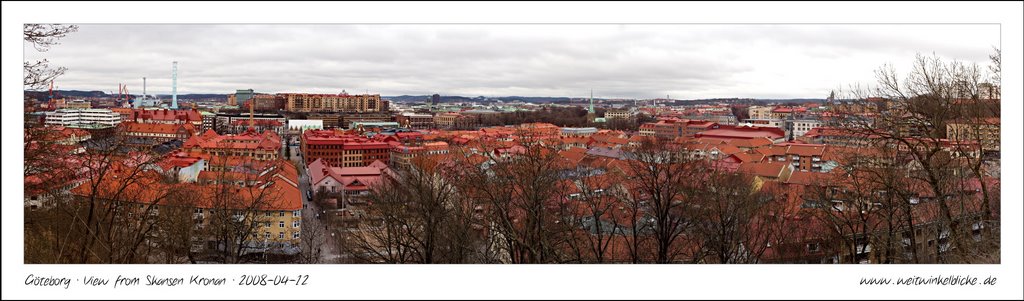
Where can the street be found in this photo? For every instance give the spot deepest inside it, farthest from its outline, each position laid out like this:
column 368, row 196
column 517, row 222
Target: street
column 329, row 251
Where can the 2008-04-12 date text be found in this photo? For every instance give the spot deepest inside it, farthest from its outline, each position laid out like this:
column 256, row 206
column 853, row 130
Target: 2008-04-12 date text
column 264, row 280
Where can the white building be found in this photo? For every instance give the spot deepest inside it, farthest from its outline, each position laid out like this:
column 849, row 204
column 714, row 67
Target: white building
column 618, row 114
column 578, row 132
column 83, row 117
column 779, row 123
column 801, row 127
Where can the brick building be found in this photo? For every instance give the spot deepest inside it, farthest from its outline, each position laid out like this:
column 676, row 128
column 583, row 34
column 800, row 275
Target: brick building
column 343, row 102
column 342, row 150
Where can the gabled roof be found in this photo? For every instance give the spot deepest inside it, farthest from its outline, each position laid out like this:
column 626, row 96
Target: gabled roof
column 769, row 170
column 750, row 143
column 156, row 128
column 749, row 157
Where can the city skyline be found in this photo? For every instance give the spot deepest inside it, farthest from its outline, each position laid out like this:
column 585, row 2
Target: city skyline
column 617, row 61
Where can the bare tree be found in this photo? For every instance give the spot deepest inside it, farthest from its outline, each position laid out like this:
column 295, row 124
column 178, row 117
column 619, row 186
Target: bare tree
column 661, row 178
column 313, row 242
column 178, row 228
column 594, row 211
column 42, row 37
column 522, row 191
column 731, row 224
column 910, row 114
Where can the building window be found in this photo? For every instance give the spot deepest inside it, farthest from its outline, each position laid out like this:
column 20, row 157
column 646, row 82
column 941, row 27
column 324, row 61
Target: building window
column 280, row 224
column 812, row 247
column 280, row 235
column 295, row 234
column 295, row 224
column 296, row 213
column 281, row 213
column 266, row 235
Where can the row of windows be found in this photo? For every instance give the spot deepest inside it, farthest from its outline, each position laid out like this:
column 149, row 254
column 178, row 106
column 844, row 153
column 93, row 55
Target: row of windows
column 295, row 213
column 280, row 235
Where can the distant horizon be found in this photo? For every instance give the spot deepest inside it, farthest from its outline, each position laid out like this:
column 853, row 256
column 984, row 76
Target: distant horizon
column 634, row 61
column 443, row 95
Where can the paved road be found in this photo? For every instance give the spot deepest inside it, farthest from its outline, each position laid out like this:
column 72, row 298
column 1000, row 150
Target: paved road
column 329, row 252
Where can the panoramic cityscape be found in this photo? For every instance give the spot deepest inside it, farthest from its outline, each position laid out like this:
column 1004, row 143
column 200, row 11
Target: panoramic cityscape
column 511, row 144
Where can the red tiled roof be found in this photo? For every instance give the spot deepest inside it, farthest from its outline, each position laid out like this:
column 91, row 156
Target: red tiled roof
column 749, row 157
column 156, row 128
column 249, row 140
column 742, row 132
column 185, row 116
column 771, row 170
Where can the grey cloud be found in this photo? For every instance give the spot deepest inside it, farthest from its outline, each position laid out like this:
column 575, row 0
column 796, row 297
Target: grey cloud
column 631, row 60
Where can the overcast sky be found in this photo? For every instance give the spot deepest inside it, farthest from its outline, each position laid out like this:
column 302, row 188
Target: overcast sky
column 629, row 61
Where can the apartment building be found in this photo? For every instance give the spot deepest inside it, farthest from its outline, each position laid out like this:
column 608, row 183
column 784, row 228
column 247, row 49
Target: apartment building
column 415, row 121
column 83, row 117
column 343, row 102
column 342, row 150
column 264, row 146
column 984, row 131
column 674, row 128
column 618, row 114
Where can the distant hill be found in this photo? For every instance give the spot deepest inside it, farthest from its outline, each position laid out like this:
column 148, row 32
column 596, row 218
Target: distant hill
column 43, row 95
column 444, row 99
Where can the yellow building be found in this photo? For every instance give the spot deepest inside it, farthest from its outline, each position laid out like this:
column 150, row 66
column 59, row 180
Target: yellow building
column 266, row 206
column 985, row 131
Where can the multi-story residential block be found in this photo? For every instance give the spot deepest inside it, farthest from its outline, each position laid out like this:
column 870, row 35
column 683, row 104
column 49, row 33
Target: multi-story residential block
column 674, row 128
column 264, row 102
column 788, row 112
column 415, row 121
column 455, row 121
column 342, row 150
column 268, row 199
column 83, row 117
column 165, row 116
column 759, row 112
column 151, row 134
column 209, row 119
column 803, row 157
column 618, row 114
column 343, row 102
column 250, row 144
column 801, row 127
column 984, row 131
column 402, row 155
